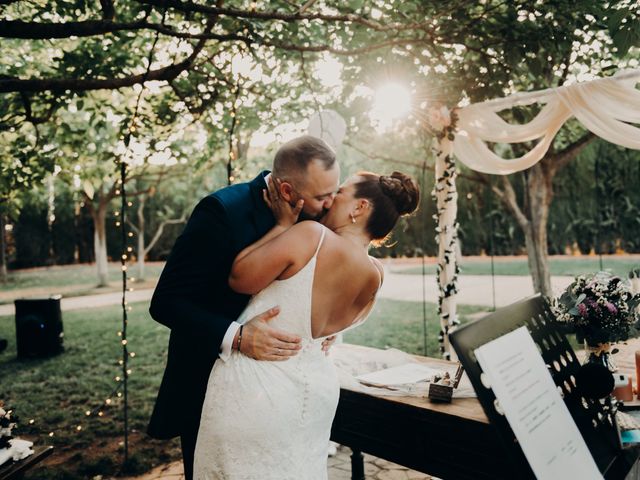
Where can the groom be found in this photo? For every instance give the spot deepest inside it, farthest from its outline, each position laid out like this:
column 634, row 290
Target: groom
column 193, row 297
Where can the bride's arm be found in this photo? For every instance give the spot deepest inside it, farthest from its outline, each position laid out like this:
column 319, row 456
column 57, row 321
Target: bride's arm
column 255, row 269
column 270, row 235
column 285, row 215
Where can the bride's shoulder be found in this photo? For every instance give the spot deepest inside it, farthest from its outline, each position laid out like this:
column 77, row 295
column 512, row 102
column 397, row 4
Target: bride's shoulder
column 307, row 229
column 379, row 267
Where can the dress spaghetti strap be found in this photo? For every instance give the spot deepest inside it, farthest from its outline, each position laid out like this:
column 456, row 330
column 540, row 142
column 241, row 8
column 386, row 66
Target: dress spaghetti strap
column 324, row 229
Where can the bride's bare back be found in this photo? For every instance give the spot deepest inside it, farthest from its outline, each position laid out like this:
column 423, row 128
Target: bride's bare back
column 345, row 282
column 344, row 285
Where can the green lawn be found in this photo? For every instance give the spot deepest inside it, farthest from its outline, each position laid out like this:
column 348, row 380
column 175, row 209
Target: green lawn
column 399, row 324
column 56, row 392
column 84, row 274
column 557, row 265
column 70, row 280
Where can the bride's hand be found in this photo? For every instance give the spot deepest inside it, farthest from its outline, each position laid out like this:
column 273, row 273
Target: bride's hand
column 327, row 342
column 285, row 214
column 262, row 342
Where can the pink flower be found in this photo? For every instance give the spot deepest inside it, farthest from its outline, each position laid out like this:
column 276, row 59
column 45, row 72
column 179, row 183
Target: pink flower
column 612, row 308
column 582, row 310
column 439, row 117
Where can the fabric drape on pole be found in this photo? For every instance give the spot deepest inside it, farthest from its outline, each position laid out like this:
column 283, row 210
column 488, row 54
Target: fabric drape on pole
column 607, row 107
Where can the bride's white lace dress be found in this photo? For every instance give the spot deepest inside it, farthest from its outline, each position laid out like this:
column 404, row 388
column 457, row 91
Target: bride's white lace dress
column 272, row 420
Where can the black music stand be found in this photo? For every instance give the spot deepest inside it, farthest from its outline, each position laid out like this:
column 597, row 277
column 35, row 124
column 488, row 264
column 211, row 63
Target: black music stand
column 595, row 420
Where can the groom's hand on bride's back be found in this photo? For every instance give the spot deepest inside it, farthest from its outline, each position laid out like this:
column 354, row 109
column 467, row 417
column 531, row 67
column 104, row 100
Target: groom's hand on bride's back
column 262, row 342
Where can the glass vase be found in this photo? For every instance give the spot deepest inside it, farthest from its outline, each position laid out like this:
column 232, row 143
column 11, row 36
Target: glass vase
column 599, row 353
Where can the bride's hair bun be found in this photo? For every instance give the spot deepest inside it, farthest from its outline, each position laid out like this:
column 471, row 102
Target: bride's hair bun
column 390, row 196
column 402, row 191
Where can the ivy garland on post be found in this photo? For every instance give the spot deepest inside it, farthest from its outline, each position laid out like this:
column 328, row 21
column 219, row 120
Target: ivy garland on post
column 442, row 123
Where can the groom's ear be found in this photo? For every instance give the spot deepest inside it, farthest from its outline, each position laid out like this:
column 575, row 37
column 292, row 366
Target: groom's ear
column 286, row 191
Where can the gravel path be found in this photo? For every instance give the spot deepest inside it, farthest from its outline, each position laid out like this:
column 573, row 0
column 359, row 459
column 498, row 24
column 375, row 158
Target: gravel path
column 474, row 290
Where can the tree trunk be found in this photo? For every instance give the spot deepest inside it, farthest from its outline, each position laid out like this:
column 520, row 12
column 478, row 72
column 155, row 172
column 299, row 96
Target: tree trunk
column 534, row 215
column 539, row 193
column 3, row 251
column 538, row 259
column 100, row 244
column 533, row 221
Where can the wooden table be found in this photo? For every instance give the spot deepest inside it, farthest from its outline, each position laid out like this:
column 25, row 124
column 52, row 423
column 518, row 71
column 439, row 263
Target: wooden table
column 449, row 441
column 16, row 470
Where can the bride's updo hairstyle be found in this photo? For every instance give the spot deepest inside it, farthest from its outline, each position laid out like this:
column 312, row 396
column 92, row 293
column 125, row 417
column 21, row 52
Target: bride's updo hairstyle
column 391, row 197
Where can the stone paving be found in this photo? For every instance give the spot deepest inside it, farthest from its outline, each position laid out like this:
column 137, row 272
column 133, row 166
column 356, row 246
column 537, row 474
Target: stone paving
column 339, row 469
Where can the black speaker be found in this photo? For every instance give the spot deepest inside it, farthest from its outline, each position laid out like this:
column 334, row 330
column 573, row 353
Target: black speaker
column 38, row 327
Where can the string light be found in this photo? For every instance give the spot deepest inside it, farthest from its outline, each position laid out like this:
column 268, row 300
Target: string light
column 120, row 221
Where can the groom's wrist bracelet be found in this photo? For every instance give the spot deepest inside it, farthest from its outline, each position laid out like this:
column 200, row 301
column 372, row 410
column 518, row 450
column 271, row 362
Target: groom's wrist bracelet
column 239, row 338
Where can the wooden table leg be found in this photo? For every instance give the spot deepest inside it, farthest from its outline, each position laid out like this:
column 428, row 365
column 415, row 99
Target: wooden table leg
column 357, row 465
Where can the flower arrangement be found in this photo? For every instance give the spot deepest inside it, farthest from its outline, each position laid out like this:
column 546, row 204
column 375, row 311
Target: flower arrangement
column 600, row 308
column 11, row 448
column 441, row 121
column 7, row 423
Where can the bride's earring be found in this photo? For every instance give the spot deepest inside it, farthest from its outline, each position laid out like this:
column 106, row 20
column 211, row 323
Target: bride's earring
column 353, row 219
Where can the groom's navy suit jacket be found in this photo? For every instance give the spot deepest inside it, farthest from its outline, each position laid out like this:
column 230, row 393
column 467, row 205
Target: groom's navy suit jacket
column 194, row 300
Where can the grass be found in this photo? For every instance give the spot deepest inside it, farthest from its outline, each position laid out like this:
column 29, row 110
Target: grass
column 56, row 392
column 70, row 280
column 399, row 324
column 518, row 266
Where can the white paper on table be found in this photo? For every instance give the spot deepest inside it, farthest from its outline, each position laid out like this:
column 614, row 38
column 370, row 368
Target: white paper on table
column 406, row 374
column 540, row 420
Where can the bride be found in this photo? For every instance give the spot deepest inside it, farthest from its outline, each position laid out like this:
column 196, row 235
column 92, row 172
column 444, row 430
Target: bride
column 272, row 420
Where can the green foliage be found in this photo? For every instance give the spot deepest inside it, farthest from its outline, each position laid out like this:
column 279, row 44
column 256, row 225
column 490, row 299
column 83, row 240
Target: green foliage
column 597, row 208
column 237, row 86
column 25, row 163
column 623, row 20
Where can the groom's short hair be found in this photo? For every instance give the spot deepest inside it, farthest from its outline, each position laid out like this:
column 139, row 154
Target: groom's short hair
column 294, row 157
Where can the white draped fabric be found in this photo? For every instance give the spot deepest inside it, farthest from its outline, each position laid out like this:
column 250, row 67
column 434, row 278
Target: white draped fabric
column 607, row 107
